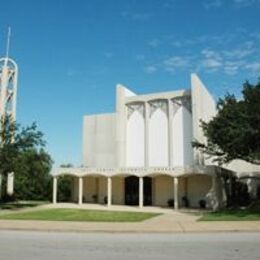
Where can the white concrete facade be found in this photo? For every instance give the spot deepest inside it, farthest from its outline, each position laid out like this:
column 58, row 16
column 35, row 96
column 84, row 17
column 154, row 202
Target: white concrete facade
column 149, row 137
column 153, row 130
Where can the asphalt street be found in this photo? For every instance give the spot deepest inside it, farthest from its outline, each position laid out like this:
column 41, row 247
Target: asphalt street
column 25, row 245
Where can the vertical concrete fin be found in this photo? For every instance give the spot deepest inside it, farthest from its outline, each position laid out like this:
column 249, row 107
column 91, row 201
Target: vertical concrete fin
column 121, row 93
column 203, row 108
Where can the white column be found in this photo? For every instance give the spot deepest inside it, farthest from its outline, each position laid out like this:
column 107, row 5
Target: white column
column 109, row 191
column 141, row 192
column 54, row 190
column 80, row 190
column 176, row 197
column 10, row 183
column 170, row 138
column 215, row 194
column 146, row 134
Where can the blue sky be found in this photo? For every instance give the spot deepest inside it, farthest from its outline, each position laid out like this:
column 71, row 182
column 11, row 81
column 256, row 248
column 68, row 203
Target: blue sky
column 72, row 53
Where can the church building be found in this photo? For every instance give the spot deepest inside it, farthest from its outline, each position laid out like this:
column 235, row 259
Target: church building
column 142, row 153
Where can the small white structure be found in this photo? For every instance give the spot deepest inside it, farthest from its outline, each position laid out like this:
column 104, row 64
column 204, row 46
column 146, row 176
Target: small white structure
column 142, row 154
column 8, row 91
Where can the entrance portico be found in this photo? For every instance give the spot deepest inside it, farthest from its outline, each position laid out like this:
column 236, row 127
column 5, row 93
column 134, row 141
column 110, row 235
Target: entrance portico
column 142, row 186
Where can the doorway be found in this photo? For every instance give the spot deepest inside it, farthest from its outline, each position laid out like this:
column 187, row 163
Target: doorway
column 132, row 191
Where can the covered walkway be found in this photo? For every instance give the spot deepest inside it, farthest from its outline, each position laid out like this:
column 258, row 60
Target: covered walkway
column 140, row 186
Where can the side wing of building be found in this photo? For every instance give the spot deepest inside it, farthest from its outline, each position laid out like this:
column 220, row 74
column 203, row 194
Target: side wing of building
column 99, row 135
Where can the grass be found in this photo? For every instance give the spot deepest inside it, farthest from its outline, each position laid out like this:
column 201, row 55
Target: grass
column 21, row 204
column 232, row 215
column 80, row 215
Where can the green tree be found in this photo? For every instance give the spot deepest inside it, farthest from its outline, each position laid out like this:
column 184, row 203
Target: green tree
column 32, row 178
column 21, row 151
column 65, row 185
column 234, row 133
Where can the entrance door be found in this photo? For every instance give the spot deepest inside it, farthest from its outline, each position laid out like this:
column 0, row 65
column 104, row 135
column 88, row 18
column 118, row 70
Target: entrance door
column 132, row 190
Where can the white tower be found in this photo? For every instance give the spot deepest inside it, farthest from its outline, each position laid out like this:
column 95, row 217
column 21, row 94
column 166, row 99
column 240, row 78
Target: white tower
column 8, row 89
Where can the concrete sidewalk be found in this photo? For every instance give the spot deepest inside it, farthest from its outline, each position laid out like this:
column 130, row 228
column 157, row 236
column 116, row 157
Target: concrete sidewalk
column 169, row 222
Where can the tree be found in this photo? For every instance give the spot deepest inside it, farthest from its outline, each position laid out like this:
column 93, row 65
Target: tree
column 65, row 185
column 32, row 178
column 234, row 133
column 21, row 150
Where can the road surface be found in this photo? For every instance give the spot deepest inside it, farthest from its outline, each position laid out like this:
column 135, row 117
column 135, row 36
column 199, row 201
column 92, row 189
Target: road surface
column 25, row 245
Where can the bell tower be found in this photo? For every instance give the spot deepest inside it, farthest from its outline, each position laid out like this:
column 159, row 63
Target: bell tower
column 8, row 91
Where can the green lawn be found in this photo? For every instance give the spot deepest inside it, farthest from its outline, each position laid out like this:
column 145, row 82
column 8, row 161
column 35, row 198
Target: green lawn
column 80, row 215
column 232, row 215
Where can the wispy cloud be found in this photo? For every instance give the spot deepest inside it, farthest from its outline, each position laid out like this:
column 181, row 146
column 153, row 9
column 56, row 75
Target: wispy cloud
column 211, row 54
column 253, row 67
column 245, row 3
column 205, row 39
column 232, row 67
column 176, row 62
column 211, row 64
column 228, row 54
column 150, row 69
column 231, row 61
column 154, row 43
column 239, row 52
column 177, row 43
column 211, row 60
column 212, row 4
column 169, row 4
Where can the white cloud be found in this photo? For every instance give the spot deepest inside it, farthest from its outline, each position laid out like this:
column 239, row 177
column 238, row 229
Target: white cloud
column 168, row 4
column 176, row 62
column 238, row 53
column 211, row 60
column 211, row 63
column 154, row 43
column 209, row 4
column 211, row 54
column 212, row 4
column 254, row 67
column 245, row 3
column 227, row 53
column 150, row 69
column 231, row 70
column 177, row 44
column 232, row 67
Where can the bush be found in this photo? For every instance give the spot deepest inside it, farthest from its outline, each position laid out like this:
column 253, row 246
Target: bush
column 65, row 188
